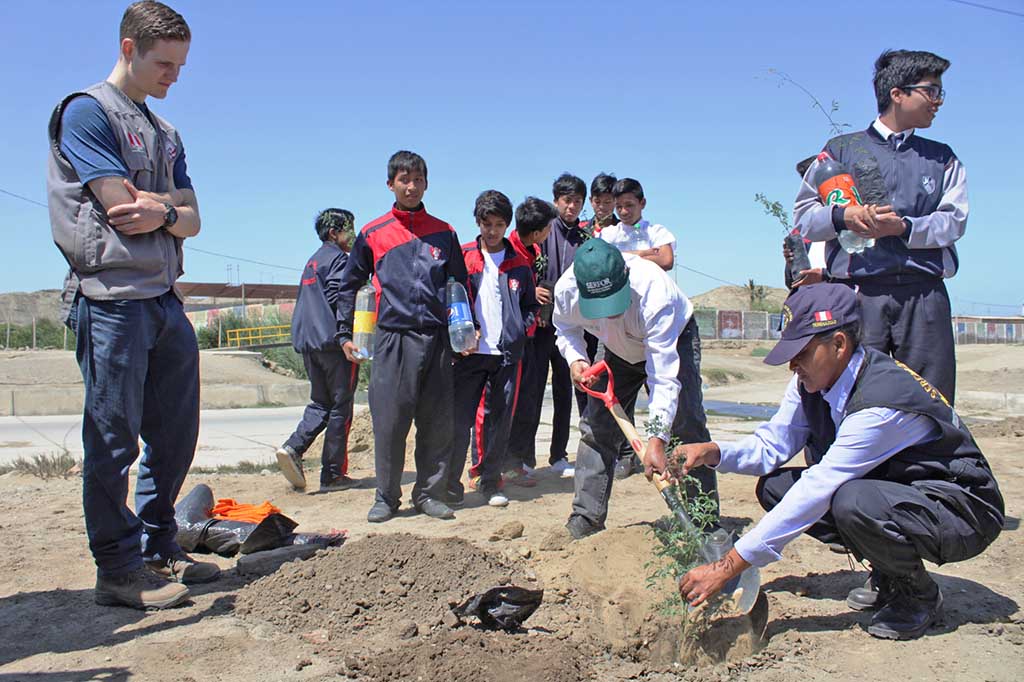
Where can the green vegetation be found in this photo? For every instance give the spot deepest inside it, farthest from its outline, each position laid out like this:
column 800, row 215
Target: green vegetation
column 716, row 376
column 760, row 352
column 49, row 334
column 54, row 465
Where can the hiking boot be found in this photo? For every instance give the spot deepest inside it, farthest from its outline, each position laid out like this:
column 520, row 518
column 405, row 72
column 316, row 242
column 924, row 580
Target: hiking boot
column 872, row 595
column 624, row 468
column 580, row 528
column 915, row 604
column 290, row 464
column 520, row 477
column 340, row 483
column 139, row 589
column 380, row 512
column 435, row 509
column 563, row 468
column 181, row 568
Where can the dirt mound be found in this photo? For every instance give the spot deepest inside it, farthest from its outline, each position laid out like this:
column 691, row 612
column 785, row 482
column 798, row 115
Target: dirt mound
column 360, row 443
column 737, row 298
column 472, row 655
column 376, row 586
column 609, row 572
column 1007, row 428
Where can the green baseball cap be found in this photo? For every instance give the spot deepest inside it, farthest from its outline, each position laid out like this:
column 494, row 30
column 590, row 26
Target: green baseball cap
column 602, row 279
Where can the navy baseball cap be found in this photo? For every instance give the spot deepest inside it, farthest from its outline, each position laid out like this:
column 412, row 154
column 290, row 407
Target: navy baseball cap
column 809, row 311
column 602, row 279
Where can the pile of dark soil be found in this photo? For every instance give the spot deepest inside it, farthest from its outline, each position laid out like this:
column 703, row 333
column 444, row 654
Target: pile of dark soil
column 388, row 585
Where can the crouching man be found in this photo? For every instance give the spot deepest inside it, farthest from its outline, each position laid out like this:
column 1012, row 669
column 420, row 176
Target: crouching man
column 893, row 474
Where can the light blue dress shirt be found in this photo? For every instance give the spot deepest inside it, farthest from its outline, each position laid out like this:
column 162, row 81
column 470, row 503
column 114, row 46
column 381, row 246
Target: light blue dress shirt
column 864, row 440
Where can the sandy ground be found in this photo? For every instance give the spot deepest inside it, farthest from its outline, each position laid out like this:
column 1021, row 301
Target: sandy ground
column 599, row 620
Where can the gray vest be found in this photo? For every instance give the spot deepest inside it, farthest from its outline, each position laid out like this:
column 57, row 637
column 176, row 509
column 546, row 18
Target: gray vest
column 104, row 263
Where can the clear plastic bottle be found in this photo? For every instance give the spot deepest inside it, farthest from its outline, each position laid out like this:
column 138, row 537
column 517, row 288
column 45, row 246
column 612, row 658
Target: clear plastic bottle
column 836, row 187
column 364, row 324
column 461, row 329
column 716, row 546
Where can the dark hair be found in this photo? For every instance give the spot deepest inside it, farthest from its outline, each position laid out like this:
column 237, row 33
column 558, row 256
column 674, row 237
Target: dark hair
column 409, row 162
column 533, row 215
column 801, row 168
column 602, row 184
column 147, row 22
column 851, row 329
column 334, row 219
column 628, row 186
column 567, row 184
column 899, row 68
column 494, row 203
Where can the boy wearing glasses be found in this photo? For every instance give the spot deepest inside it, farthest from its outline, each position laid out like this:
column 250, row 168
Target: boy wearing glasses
column 906, row 311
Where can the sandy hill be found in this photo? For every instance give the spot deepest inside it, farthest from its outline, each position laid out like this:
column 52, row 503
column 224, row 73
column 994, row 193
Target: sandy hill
column 736, row 298
column 19, row 307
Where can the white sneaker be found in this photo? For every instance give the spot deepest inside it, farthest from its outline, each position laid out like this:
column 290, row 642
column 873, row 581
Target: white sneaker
column 528, row 469
column 563, row 468
column 497, row 500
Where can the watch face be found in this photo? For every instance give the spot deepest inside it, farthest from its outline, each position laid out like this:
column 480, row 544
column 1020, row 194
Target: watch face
column 170, row 216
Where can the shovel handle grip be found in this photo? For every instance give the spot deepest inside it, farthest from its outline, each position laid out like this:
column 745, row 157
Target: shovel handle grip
column 608, row 395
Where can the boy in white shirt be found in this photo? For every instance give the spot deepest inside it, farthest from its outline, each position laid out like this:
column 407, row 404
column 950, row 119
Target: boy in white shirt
column 635, row 235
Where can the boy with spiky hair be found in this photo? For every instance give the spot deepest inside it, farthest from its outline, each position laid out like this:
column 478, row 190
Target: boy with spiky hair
column 121, row 204
column 409, row 254
column 633, row 234
column 332, row 377
column 533, row 224
column 920, row 213
column 501, row 291
column 569, row 192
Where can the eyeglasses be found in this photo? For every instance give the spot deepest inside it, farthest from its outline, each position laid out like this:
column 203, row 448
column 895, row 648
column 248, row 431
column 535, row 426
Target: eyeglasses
column 931, row 91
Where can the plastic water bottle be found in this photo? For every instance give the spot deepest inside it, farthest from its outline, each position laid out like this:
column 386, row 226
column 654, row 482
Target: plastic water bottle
column 837, row 188
column 364, row 324
column 716, row 546
column 461, row 330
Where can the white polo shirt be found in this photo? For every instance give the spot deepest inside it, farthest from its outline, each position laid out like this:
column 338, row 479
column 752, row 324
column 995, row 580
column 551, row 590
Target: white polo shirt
column 643, row 235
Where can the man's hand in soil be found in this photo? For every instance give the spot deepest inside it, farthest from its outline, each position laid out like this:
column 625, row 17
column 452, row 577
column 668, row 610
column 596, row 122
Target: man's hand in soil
column 703, row 582
column 577, row 370
column 350, row 352
column 655, row 461
column 693, row 455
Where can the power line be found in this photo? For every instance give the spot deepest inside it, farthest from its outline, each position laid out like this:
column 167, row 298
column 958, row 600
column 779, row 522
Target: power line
column 190, row 248
column 717, row 279
column 989, row 8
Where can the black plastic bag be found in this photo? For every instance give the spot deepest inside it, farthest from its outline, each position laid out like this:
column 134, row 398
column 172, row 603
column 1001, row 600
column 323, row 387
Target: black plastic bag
column 198, row 532
column 504, row 607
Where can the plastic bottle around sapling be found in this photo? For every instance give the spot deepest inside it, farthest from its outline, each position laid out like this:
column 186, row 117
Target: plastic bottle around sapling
column 364, row 324
column 716, row 546
column 801, row 261
column 461, row 330
column 836, row 187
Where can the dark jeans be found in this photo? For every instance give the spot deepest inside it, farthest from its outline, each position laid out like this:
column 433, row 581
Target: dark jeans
column 332, row 386
column 412, row 380
column 894, row 525
column 140, row 365
column 911, row 322
column 601, row 438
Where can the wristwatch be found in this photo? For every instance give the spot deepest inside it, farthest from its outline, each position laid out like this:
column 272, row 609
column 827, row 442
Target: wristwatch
column 170, row 216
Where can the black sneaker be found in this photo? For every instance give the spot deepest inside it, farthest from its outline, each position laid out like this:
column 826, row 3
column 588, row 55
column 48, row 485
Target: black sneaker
column 872, row 595
column 435, row 509
column 339, row 483
column 380, row 512
column 290, row 464
column 915, row 604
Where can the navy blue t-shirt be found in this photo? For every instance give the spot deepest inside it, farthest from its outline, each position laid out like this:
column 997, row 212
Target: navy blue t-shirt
column 88, row 142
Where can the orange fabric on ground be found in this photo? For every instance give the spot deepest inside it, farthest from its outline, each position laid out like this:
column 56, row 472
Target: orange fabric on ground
column 229, row 510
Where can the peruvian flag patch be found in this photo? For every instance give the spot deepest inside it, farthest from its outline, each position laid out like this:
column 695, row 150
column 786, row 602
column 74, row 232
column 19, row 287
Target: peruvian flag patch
column 135, row 141
column 823, row 316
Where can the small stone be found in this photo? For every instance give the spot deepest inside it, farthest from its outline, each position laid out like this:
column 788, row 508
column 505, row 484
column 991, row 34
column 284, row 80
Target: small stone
column 531, row 575
column 406, row 580
column 320, row 636
column 303, row 663
column 450, row 620
column 407, row 629
column 509, row 531
column 525, row 552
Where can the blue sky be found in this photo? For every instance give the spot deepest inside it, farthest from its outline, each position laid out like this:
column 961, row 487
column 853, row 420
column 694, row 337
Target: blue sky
column 287, row 108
